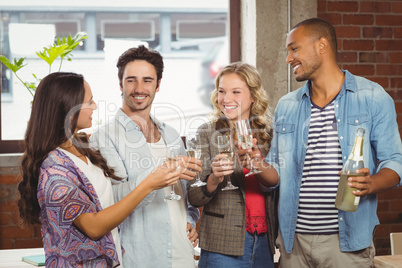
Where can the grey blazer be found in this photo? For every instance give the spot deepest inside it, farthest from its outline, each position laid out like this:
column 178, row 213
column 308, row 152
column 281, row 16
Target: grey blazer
column 223, row 218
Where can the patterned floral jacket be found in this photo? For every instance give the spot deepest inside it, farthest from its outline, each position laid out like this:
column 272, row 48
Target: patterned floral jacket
column 64, row 193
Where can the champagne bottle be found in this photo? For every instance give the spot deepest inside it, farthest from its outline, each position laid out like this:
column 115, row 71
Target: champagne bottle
column 345, row 199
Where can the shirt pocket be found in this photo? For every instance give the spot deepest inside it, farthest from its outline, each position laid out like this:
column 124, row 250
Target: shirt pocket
column 355, row 122
column 285, row 133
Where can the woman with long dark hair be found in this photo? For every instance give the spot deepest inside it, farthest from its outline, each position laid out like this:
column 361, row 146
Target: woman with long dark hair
column 66, row 185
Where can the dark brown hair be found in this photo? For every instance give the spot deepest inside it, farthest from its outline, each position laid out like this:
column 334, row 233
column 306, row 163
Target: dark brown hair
column 52, row 123
column 140, row 53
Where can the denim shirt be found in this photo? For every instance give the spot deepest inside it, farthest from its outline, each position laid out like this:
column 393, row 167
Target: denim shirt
column 146, row 233
column 360, row 103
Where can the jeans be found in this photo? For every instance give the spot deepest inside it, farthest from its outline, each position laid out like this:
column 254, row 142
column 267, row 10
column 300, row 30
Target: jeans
column 257, row 254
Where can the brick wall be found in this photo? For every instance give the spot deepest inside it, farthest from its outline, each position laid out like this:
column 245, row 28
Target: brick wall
column 12, row 235
column 370, row 45
column 390, row 214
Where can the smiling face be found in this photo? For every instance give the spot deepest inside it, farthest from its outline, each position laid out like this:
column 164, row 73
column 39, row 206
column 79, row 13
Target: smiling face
column 139, row 85
column 303, row 55
column 87, row 108
column 234, row 97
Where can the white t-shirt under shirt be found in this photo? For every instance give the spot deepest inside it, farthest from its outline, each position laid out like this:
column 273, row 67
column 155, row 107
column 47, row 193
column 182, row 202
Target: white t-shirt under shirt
column 103, row 188
column 183, row 251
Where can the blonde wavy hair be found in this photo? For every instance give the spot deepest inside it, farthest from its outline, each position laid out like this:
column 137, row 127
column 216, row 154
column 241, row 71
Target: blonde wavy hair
column 260, row 117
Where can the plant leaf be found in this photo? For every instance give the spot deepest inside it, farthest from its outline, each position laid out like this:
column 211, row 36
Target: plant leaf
column 73, row 42
column 18, row 64
column 60, row 48
column 53, row 52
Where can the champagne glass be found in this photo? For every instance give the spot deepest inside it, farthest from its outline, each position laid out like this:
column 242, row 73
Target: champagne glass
column 172, row 157
column 193, row 143
column 245, row 136
column 225, row 146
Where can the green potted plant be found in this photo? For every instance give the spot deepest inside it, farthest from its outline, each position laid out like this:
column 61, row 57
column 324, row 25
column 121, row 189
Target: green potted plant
column 60, row 49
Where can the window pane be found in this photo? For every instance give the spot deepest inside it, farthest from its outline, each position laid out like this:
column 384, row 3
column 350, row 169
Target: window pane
column 140, row 30
column 192, row 38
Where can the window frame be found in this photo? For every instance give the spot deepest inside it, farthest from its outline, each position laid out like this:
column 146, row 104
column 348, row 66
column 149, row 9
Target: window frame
column 17, row 146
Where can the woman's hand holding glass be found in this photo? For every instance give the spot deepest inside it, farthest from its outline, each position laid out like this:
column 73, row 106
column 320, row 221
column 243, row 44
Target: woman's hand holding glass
column 225, row 161
column 245, row 156
column 221, row 167
column 163, row 176
column 246, row 141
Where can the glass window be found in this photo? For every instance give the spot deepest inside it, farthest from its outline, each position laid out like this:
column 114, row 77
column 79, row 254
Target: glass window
column 191, row 36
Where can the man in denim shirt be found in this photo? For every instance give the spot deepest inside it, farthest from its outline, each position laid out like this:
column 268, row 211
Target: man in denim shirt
column 158, row 233
column 314, row 131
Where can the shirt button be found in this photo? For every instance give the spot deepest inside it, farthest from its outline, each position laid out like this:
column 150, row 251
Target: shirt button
column 169, row 244
column 283, row 129
column 168, row 222
column 341, row 138
column 341, row 219
column 344, row 157
column 339, row 120
column 357, row 121
column 168, row 251
column 337, row 105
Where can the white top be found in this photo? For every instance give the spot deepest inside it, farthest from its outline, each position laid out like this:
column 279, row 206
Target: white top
column 103, row 188
column 183, row 251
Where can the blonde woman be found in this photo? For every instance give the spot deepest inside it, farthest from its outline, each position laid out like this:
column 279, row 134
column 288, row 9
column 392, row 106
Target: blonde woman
column 237, row 227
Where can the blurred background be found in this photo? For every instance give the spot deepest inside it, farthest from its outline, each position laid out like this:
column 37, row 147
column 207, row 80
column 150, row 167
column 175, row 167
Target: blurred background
column 192, row 36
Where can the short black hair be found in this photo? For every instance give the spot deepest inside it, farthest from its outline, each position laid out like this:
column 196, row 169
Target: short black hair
column 318, row 28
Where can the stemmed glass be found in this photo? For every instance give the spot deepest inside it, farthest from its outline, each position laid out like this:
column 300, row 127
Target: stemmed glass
column 225, row 146
column 193, row 144
column 172, row 156
column 245, row 136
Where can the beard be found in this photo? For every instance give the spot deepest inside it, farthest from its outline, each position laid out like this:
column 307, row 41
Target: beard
column 128, row 100
column 308, row 67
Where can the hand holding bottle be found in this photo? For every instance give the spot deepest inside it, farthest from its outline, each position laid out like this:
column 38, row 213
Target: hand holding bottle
column 347, row 197
column 361, row 183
